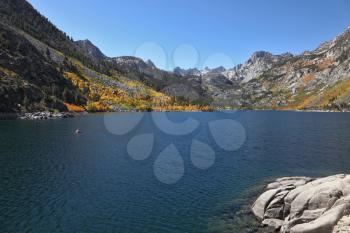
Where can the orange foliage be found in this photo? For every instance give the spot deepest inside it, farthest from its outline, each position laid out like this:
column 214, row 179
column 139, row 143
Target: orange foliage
column 324, row 64
column 74, row 108
column 339, row 90
column 305, row 63
column 302, row 104
column 186, row 108
column 307, row 78
column 143, row 98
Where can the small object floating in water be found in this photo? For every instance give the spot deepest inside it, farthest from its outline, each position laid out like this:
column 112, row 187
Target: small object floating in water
column 77, row 131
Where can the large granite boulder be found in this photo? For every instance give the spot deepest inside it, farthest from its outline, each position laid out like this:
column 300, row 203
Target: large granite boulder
column 304, row 205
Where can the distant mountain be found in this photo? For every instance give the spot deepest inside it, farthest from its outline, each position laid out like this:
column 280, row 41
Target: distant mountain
column 257, row 64
column 187, row 88
column 42, row 68
column 184, row 72
column 318, row 79
column 196, row 72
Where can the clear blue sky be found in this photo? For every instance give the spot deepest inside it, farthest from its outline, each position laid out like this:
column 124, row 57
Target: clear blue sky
column 219, row 30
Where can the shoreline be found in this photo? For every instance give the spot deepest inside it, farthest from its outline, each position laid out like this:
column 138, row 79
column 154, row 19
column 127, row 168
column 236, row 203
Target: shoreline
column 45, row 115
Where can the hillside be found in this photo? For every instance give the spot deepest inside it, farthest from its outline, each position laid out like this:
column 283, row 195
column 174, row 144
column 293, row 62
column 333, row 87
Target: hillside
column 317, row 79
column 42, row 68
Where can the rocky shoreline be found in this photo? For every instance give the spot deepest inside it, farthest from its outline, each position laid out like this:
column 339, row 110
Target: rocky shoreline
column 44, row 115
column 50, row 115
column 305, row 205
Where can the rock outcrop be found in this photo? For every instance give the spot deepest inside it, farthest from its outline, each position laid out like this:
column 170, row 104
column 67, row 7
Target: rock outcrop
column 306, row 205
column 256, row 65
column 45, row 115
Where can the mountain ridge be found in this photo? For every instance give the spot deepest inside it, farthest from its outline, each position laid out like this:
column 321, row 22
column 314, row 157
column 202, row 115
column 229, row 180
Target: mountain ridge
column 82, row 76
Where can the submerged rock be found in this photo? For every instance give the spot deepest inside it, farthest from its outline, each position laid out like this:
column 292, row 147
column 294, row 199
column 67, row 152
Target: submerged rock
column 305, row 205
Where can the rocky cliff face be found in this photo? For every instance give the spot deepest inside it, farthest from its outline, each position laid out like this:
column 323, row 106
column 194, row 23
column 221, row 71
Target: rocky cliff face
column 313, row 80
column 257, row 64
column 305, row 205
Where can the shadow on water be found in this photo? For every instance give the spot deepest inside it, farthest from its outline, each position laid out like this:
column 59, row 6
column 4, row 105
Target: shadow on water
column 8, row 116
column 236, row 215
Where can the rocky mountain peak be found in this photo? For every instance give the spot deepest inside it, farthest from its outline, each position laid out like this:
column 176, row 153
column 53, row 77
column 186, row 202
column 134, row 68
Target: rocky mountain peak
column 287, row 55
column 133, row 63
column 340, row 42
column 184, row 72
column 150, row 63
column 127, row 59
column 219, row 69
column 89, row 49
column 256, row 65
column 179, row 71
column 260, row 55
column 206, row 69
column 216, row 70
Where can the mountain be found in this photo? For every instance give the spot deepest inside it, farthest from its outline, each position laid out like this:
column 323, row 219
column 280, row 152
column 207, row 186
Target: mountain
column 29, row 79
column 183, row 72
column 257, row 64
column 42, row 68
column 187, row 88
column 314, row 80
column 317, row 79
column 196, row 72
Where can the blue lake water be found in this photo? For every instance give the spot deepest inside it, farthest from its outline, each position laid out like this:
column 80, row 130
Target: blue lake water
column 52, row 180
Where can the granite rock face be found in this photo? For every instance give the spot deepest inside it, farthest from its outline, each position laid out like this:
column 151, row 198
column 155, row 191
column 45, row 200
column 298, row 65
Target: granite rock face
column 306, row 205
column 343, row 225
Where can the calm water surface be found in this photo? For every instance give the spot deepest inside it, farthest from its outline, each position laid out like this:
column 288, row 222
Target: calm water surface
column 52, row 180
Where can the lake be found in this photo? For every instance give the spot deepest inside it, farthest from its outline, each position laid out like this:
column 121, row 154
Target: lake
column 156, row 172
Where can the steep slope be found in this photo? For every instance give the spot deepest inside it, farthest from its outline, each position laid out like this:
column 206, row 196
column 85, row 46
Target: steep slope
column 29, row 81
column 41, row 68
column 20, row 14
